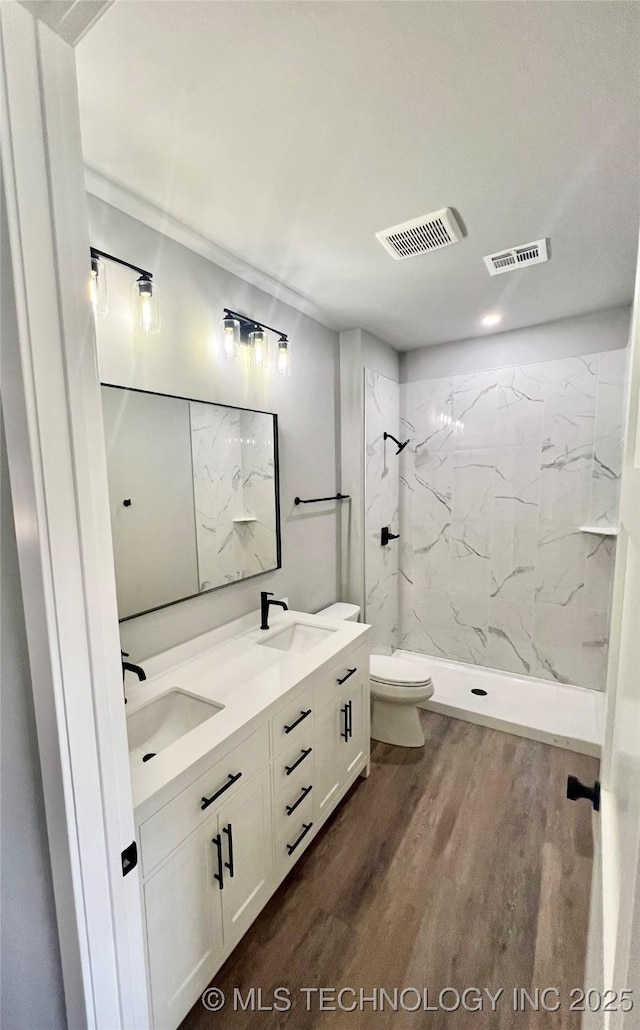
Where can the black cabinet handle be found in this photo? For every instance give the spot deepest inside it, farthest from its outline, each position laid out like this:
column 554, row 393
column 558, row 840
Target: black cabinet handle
column 290, row 809
column 350, row 718
column 345, row 732
column 230, row 782
column 217, row 840
column 289, row 768
column 292, row 847
column 229, row 865
column 302, row 717
column 345, row 678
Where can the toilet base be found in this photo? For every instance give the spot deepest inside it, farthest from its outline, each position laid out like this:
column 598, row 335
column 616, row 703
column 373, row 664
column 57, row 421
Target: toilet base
column 394, row 723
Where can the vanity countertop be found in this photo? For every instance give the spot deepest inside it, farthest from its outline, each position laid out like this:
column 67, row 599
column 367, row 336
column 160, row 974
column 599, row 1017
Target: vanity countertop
column 230, row 666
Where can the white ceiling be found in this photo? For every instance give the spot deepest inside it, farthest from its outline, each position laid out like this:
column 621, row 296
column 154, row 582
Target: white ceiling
column 289, row 133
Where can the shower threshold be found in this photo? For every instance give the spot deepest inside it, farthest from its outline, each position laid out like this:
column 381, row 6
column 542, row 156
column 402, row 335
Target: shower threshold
column 553, row 713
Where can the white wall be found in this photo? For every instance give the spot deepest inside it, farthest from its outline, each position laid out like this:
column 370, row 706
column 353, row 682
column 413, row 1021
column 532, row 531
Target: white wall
column 359, row 350
column 566, row 338
column 31, row 983
column 183, row 360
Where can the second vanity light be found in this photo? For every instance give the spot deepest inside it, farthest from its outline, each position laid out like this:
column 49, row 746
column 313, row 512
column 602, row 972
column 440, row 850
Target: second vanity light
column 244, row 338
column 146, row 305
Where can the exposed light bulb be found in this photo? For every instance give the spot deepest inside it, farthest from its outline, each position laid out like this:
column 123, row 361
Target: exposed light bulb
column 98, row 288
column 284, row 356
column 493, row 318
column 146, row 306
column 230, row 337
column 258, row 347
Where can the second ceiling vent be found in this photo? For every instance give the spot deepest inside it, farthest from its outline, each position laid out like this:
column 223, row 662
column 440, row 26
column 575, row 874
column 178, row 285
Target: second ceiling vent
column 517, row 257
column 429, row 232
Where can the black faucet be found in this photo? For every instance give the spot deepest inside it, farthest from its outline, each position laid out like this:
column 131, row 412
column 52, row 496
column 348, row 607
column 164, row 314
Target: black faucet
column 265, row 604
column 130, row 667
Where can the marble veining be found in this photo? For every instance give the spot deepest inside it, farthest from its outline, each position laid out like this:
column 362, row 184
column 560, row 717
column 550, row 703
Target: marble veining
column 503, row 468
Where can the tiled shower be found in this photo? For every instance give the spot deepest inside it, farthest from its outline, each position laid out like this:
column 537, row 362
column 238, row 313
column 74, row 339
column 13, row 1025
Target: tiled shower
column 503, row 469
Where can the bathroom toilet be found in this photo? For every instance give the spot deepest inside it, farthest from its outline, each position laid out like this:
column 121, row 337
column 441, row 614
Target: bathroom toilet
column 398, row 686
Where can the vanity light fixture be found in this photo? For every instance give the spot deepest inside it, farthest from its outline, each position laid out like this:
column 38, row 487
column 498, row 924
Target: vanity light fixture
column 493, row 318
column 146, row 307
column 244, row 337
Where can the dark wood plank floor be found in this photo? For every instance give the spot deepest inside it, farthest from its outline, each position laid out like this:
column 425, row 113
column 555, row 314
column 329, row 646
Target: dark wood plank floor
column 457, row 865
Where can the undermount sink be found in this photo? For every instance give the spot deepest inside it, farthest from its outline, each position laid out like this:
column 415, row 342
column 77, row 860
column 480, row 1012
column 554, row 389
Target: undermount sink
column 159, row 723
column 298, row 637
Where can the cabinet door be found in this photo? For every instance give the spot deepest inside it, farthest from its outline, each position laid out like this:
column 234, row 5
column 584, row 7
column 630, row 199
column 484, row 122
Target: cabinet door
column 184, row 926
column 354, row 708
column 328, row 770
column 247, row 848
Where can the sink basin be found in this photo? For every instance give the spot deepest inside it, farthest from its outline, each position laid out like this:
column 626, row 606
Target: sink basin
column 161, row 722
column 298, row 637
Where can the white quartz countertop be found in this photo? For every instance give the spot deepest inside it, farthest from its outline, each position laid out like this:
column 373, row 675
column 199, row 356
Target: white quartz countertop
column 232, row 667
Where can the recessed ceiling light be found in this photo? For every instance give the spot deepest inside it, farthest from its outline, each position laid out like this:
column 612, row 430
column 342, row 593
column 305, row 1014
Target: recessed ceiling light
column 493, row 318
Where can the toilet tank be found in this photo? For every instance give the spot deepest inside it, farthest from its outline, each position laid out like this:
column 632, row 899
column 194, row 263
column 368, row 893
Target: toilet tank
column 342, row 610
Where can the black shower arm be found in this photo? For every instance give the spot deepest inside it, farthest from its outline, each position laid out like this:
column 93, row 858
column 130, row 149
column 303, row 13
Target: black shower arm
column 400, row 446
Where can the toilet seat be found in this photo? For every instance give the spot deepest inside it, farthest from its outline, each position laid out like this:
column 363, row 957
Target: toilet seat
column 393, row 671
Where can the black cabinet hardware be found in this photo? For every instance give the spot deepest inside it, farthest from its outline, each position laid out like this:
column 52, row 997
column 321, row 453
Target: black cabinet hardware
column 350, row 718
column 230, row 782
column 301, row 718
column 127, row 502
column 291, row 808
column 345, row 732
column 129, row 857
column 386, row 535
column 289, row 768
column 217, row 840
column 576, row 789
column 292, row 847
column 316, row 500
column 347, row 712
column 345, row 678
column 229, row 832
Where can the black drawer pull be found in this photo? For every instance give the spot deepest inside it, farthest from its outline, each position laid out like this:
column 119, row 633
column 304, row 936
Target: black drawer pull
column 350, row 717
column 290, row 809
column 217, row 840
column 292, row 847
column 230, row 782
column 289, row 768
column 301, row 718
column 229, row 865
column 345, row 678
column 345, row 712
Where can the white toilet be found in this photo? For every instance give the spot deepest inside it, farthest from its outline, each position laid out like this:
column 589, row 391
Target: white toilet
column 398, row 686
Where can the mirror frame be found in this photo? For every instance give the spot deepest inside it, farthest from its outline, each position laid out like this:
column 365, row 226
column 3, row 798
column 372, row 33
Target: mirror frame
column 276, row 484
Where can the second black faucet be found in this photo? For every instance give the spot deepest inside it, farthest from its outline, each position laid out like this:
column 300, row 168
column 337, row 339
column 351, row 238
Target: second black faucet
column 265, row 604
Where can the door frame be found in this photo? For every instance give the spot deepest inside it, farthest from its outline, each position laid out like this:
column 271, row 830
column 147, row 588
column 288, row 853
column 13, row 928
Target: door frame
column 57, row 466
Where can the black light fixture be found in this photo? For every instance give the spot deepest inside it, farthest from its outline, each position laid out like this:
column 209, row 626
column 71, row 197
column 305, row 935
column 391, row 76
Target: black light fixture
column 245, row 337
column 146, row 306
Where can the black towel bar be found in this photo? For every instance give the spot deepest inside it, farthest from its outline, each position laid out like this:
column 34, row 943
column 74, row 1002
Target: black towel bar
column 316, row 500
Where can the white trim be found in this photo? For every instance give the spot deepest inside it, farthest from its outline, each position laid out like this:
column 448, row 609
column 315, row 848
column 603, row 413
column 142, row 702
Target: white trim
column 132, row 204
column 51, row 405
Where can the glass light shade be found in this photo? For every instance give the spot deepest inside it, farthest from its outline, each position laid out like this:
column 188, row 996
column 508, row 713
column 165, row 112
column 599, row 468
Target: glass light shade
column 283, row 366
column 98, row 288
column 146, row 307
column 258, row 348
column 230, row 333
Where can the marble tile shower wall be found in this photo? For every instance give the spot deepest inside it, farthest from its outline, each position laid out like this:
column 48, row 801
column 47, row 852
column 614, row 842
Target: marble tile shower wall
column 503, row 469
column 382, row 488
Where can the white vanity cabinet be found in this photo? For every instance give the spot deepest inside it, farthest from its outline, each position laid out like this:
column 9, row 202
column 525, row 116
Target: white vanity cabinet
column 215, row 852
column 205, row 896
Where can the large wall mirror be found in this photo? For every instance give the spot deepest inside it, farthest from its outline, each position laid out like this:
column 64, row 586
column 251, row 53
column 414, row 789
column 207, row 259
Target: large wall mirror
column 193, row 491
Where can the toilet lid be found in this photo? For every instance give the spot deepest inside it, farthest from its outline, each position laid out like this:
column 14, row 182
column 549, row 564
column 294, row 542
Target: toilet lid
column 392, row 669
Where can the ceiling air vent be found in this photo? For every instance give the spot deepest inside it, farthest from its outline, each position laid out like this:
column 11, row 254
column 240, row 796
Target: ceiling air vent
column 517, row 257
column 429, row 232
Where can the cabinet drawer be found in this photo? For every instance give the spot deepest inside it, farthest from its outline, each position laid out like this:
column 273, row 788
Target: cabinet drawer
column 295, row 839
column 293, row 799
column 160, row 834
column 332, row 682
column 292, row 721
column 293, row 761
